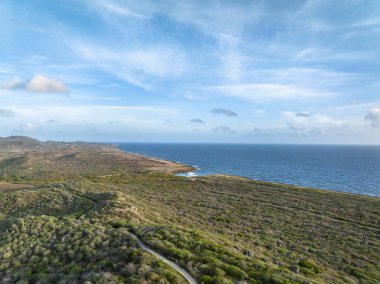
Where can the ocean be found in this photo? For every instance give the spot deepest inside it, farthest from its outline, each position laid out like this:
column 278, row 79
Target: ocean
column 354, row 169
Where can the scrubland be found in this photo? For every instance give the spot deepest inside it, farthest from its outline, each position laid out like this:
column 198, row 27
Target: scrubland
column 74, row 224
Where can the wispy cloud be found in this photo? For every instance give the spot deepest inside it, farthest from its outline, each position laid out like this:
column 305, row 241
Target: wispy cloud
column 300, row 115
column 224, row 111
column 115, row 9
column 14, row 83
column 90, row 114
column 224, row 129
column 97, row 112
column 329, row 122
column 197, row 120
column 211, row 19
column 316, row 53
column 268, row 92
column 375, row 21
column 139, row 66
column 230, row 37
column 136, row 108
column 6, row 113
column 296, row 126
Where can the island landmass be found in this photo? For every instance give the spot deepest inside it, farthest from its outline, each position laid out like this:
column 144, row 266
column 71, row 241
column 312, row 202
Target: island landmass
column 83, row 212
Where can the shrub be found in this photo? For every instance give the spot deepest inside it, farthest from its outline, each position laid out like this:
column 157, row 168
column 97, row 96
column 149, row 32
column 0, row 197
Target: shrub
column 310, row 264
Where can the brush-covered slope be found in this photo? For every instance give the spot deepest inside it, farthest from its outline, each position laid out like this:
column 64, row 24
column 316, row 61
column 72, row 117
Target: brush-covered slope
column 26, row 159
column 73, row 226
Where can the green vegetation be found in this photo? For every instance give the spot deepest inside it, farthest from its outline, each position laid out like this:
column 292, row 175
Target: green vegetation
column 73, row 227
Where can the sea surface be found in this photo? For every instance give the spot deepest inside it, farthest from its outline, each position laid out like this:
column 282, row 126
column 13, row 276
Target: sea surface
column 354, row 169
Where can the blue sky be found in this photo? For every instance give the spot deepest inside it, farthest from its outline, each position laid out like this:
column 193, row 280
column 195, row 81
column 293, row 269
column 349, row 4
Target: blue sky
column 191, row 71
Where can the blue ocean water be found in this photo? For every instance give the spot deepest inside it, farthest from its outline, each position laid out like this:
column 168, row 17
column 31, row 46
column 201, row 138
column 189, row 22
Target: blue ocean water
column 354, row 169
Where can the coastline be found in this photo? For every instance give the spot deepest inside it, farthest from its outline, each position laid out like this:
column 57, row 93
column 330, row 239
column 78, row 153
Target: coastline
column 177, row 167
column 280, row 185
column 193, row 173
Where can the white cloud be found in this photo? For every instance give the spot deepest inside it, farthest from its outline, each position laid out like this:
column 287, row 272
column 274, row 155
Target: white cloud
column 38, row 84
column 42, row 84
column 373, row 115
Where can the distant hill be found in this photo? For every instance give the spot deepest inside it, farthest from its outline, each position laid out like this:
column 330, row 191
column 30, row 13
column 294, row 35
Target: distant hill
column 22, row 141
column 27, row 143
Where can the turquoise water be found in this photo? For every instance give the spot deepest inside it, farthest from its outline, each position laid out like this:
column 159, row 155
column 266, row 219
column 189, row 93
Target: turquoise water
column 354, row 169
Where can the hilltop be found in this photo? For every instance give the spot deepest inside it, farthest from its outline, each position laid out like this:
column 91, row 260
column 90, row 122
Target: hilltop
column 19, row 141
column 70, row 208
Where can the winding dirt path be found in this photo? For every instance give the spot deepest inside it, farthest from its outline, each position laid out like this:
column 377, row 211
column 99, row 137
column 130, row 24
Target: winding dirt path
column 188, row 277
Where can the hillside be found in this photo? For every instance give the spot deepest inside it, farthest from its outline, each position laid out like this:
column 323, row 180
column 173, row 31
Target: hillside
column 67, row 211
column 23, row 158
column 23, row 141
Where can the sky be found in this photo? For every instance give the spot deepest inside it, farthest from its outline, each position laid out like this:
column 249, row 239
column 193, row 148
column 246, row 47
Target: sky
column 191, row 71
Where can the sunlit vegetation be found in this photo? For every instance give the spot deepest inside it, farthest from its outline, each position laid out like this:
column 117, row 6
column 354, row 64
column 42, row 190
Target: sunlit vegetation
column 74, row 226
column 57, row 236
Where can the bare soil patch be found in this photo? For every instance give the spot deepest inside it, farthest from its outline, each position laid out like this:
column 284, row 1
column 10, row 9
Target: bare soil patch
column 7, row 186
